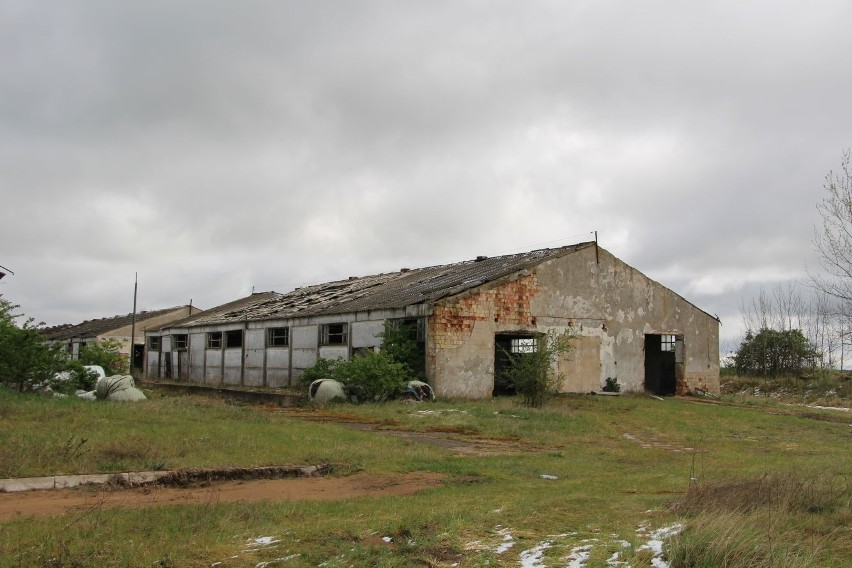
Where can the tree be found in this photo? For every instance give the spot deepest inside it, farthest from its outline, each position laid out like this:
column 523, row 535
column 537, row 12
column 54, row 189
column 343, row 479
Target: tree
column 107, row 354
column 834, row 241
column 25, row 357
column 772, row 353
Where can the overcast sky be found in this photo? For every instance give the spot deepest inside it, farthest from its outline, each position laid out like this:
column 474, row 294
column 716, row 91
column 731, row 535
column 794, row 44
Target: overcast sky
column 213, row 147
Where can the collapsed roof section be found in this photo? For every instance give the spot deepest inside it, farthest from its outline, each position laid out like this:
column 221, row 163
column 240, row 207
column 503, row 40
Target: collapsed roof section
column 380, row 291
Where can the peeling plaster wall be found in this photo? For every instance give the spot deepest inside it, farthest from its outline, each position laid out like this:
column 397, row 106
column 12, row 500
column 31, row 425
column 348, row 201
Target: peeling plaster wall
column 632, row 305
column 460, row 335
column 609, row 304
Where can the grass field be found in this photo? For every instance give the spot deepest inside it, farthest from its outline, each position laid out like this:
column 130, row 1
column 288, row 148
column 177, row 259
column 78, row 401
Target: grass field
column 593, row 481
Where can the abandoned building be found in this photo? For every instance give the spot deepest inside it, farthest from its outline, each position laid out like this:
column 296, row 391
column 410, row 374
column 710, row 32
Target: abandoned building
column 469, row 317
column 76, row 336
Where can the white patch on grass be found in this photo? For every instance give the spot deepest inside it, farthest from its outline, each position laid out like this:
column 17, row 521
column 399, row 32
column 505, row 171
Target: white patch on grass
column 506, row 545
column 840, row 408
column 532, row 558
column 579, row 555
column 437, row 412
column 276, row 561
column 614, row 560
column 548, row 476
column 657, row 542
column 262, row 541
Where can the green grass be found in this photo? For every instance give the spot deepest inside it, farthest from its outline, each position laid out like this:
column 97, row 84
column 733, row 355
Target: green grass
column 621, row 463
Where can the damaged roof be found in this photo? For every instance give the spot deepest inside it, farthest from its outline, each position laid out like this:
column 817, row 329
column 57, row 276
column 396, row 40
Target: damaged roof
column 97, row 327
column 391, row 290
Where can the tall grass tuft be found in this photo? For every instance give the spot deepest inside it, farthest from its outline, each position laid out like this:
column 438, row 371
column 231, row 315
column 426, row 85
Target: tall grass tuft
column 781, row 520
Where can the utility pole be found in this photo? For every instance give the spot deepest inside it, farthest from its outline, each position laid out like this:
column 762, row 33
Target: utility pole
column 133, row 322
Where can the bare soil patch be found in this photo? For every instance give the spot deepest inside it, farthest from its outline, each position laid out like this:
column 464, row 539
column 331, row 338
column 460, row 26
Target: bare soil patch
column 462, row 441
column 59, row 501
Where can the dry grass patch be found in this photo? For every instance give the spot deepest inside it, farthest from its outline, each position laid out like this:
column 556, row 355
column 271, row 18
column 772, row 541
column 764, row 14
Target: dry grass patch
column 787, row 519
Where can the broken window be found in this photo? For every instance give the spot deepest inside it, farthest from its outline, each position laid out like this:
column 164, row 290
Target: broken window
column 214, row 340
column 154, row 343
column 667, row 343
column 233, row 338
column 333, row 334
column 180, row 342
column 523, row 345
column 405, row 341
column 278, row 337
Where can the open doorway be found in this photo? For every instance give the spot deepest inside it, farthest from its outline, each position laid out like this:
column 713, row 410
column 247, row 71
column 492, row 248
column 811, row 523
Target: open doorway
column 660, row 367
column 137, row 360
column 506, row 347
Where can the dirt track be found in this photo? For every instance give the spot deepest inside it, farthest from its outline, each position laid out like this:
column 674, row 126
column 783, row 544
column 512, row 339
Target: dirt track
column 54, row 502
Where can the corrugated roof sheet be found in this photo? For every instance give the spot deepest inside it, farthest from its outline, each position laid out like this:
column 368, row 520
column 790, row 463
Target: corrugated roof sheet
column 378, row 291
column 96, row 327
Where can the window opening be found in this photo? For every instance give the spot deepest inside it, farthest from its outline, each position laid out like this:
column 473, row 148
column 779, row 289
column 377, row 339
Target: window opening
column 667, row 343
column 154, row 343
column 233, row 338
column 214, row 340
column 278, row 337
column 333, row 334
column 180, row 342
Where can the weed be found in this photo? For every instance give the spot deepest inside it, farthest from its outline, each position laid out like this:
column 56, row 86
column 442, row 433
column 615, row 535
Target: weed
column 612, row 385
column 73, row 448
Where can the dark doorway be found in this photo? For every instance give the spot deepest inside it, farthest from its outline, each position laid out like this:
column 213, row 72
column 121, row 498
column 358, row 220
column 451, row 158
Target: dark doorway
column 660, row 377
column 506, row 347
column 138, row 359
column 405, row 340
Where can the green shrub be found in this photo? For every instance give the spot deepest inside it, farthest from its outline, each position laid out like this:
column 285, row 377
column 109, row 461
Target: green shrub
column 25, row 357
column 372, row 377
column 612, row 385
column 106, row 354
column 322, row 369
column 532, row 374
column 77, row 378
column 399, row 342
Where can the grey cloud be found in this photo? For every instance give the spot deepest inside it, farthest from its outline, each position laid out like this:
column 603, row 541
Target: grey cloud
column 213, row 146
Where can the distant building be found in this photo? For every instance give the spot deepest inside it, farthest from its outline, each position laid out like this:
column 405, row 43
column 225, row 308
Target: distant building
column 469, row 316
column 75, row 337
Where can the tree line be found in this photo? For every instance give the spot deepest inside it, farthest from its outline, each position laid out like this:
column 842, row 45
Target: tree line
column 797, row 327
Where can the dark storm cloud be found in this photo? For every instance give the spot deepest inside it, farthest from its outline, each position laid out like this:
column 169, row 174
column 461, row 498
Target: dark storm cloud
column 214, row 146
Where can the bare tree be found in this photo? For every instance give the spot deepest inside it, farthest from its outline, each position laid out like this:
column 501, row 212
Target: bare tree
column 834, row 241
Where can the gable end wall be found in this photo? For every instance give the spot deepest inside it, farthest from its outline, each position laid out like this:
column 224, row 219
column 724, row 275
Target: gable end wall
column 609, row 304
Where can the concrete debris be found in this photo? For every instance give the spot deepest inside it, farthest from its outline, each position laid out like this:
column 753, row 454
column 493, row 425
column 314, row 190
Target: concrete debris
column 325, row 390
column 419, row 391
